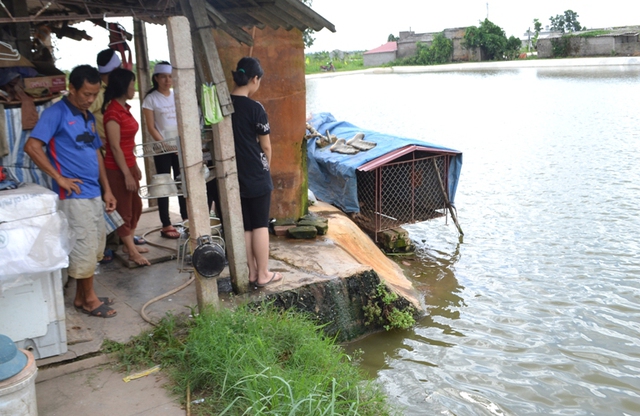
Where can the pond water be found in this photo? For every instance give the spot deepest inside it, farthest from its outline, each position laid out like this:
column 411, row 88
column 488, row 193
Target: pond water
column 536, row 310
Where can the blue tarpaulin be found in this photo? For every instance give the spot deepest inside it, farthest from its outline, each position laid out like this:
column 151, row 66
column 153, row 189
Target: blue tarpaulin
column 332, row 175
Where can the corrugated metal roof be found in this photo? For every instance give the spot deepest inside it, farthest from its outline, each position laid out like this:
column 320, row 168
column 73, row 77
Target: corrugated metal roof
column 387, row 47
column 391, row 156
column 232, row 16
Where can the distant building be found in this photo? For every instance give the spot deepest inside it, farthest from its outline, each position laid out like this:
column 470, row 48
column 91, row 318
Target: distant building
column 622, row 41
column 380, row 55
column 408, row 41
column 407, row 44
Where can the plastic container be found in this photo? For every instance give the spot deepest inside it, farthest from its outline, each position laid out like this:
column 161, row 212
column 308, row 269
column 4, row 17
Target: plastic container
column 32, row 314
column 18, row 393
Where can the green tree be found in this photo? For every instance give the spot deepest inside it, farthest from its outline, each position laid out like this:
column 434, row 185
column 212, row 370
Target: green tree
column 512, row 50
column 557, row 23
column 567, row 22
column 307, row 35
column 571, row 23
column 491, row 40
column 392, row 38
column 439, row 52
column 441, row 49
column 537, row 27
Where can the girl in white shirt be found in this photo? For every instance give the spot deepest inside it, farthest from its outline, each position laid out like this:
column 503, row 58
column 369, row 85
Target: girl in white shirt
column 159, row 111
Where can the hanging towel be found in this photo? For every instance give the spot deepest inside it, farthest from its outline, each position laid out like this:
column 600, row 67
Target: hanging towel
column 210, row 105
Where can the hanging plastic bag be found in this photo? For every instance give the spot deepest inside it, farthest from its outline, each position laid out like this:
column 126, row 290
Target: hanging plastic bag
column 210, row 105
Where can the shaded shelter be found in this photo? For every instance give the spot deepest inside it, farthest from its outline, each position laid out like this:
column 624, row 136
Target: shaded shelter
column 245, row 28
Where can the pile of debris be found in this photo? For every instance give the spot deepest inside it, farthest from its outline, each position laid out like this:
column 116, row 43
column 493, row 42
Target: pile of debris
column 339, row 145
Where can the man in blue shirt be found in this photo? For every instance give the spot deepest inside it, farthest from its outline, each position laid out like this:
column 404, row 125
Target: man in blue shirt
column 73, row 160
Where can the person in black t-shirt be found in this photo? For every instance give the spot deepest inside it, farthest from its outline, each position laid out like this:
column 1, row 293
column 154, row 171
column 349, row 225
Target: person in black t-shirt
column 253, row 155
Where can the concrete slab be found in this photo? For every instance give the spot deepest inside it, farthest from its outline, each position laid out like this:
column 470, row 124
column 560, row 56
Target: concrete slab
column 101, row 391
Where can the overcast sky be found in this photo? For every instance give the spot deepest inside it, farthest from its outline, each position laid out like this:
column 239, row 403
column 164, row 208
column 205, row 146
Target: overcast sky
column 366, row 24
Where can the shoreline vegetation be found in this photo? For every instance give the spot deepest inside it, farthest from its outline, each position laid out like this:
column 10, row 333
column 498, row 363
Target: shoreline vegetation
column 620, row 61
column 254, row 360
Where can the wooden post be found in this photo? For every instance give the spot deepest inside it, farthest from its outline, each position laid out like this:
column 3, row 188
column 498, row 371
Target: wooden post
column 184, row 76
column 446, row 197
column 210, row 69
column 144, row 84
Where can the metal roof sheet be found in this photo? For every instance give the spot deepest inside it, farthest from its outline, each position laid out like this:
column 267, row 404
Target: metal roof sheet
column 391, row 156
column 231, row 16
column 387, row 47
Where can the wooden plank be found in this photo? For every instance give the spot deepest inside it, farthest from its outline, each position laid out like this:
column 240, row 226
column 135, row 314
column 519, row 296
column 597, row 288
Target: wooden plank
column 184, row 76
column 224, row 149
column 222, row 23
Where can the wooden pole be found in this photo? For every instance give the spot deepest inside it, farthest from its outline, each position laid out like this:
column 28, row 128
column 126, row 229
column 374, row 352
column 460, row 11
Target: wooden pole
column 144, row 83
column 446, row 197
column 184, row 76
column 224, row 152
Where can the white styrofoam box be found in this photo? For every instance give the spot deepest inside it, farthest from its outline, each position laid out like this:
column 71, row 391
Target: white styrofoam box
column 29, row 200
column 32, row 313
column 36, row 244
column 54, row 342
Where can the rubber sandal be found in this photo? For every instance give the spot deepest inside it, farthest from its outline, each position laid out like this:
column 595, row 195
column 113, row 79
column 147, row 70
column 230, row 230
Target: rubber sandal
column 105, row 300
column 273, row 276
column 99, row 312
column 107, row 257
column 172, row 234
column 137, row 240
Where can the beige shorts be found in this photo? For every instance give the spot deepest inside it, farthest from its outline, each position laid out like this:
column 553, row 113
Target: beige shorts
column 86, row 219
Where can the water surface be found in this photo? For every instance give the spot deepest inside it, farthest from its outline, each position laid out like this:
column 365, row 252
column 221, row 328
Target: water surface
column 537, row 309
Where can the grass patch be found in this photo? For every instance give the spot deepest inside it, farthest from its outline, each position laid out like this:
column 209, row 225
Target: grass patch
column 255, row 362
column 350, row 61
column 593, row 33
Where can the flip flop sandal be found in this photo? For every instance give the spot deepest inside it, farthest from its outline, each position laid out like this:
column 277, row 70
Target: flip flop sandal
column 172, row 234
column 99, row 312
column 137, row 240
column 105, row 300
column 107, row 257
column 273, row 276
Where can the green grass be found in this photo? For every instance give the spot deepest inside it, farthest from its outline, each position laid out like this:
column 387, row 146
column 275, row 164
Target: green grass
column 255, row 362
column 351, row 62
column 593, row 33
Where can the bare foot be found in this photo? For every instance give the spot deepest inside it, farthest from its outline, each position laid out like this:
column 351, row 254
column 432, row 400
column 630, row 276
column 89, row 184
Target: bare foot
column 139, row 260
column 140, row 250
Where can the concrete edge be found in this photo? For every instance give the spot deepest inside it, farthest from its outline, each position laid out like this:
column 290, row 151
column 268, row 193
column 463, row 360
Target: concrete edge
column 49, row 373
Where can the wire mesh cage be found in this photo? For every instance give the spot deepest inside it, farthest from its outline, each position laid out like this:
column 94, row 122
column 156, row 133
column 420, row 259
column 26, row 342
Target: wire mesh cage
column 406, row 190
column 155, row 148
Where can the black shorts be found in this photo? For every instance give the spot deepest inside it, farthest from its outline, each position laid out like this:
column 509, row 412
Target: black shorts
column 255, row 211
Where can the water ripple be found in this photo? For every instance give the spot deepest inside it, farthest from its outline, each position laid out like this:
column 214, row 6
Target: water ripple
column 536, row 311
